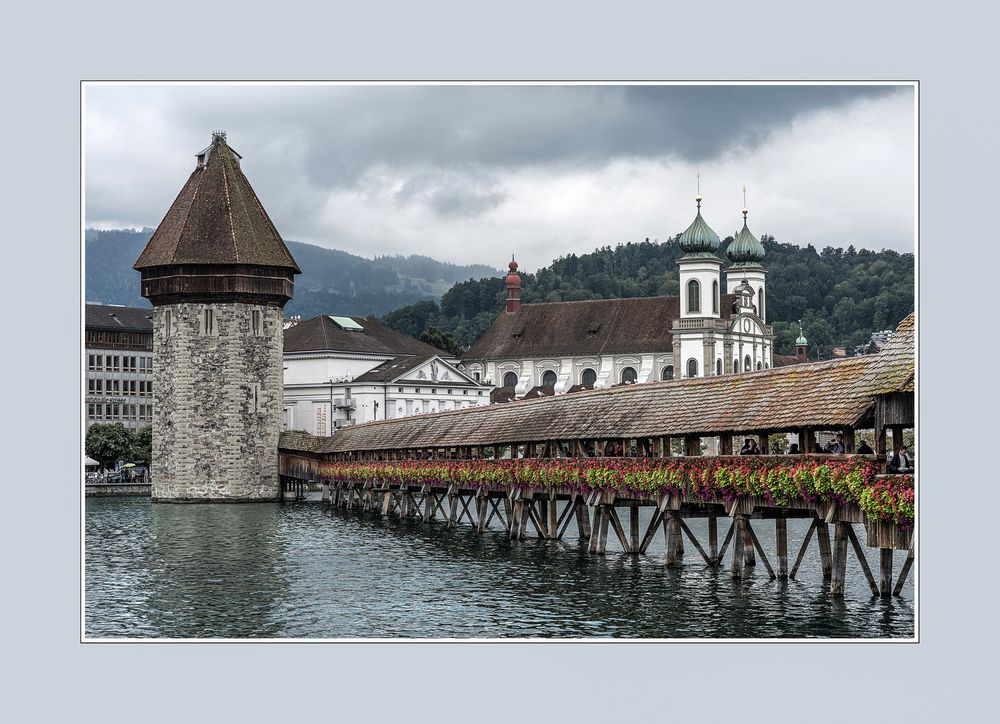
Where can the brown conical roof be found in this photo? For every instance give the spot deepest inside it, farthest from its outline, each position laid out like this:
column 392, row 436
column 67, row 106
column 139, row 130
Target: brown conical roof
column 216, row 219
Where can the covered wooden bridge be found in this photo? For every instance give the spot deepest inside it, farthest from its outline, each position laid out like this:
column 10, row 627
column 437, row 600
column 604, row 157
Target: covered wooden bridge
column 447, row 462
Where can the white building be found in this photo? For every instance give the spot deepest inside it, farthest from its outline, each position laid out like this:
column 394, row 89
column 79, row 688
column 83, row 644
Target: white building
column 558, row 347
column 344, row 370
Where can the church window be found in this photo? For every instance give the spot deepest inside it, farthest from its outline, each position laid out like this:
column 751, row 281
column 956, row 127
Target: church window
column 758, row 366
column 589, row 377
column 760, row 302
column 736, row 365
column 692, row 367
column 256, row 326
column 718, row 366
column 715, row 297
column 694, row 296
column 747, row 364
column 629, row 376
column 667, row 373
column 475, row 376
column 208, row 322
column 510, row 379
column 168, row 322
column 549, row 379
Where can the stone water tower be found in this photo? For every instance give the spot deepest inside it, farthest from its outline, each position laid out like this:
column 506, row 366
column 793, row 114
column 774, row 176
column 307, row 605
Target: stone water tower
column 218, row 275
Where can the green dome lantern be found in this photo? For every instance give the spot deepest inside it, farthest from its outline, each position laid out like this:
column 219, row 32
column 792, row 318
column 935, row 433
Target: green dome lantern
column 745, row 249
column 699, row 239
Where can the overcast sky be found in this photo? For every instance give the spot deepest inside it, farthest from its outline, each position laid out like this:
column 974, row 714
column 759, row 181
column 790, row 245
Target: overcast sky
column 471, row 174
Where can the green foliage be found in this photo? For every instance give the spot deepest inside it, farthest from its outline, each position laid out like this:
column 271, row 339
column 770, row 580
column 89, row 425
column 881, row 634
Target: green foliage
column 442, row 340
column 840, row 296
column 107, row 444
column 142, row 445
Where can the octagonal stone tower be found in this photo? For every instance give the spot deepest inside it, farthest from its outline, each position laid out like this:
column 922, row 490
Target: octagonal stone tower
column 218, row 275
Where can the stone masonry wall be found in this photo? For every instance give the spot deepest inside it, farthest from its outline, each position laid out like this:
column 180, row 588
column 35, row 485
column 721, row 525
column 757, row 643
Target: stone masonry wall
column 209, row 441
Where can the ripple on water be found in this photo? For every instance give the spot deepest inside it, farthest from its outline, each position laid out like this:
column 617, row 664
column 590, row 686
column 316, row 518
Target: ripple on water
column 271, row 570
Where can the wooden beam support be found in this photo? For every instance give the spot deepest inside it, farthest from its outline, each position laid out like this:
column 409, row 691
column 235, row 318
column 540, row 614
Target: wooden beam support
column 582, row 519
column 713, row 538
column 619, row 530
column 756, row 544
column 725, row 542
column 802, row 550
column 654, row 523
column 903, row 573
column 736, row 570
column 694, row 541
column 862, row 559
column 633, row 528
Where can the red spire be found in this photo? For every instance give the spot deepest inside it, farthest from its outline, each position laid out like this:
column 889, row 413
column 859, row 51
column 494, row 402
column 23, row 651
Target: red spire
column 513, row 281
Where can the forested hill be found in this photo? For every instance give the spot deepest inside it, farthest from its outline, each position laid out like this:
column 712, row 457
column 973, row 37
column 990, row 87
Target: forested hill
column 332, row 282
column 840, row 296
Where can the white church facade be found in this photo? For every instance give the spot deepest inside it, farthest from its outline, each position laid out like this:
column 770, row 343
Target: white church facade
column 558, row 347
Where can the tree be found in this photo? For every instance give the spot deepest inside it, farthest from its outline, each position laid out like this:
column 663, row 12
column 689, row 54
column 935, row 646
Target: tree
column 142, row 445
column 107, row 444
column 442, row 340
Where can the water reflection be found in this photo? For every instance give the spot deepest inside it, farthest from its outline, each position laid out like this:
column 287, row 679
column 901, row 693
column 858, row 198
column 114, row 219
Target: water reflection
column 308, row 571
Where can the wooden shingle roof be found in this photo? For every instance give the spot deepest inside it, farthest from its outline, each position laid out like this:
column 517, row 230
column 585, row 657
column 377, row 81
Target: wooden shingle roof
column 832, row 393
column 216, row 219
column 592, row 327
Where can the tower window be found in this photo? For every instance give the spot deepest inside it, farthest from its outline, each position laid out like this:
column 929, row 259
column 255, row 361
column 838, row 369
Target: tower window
column 736, row 365
column 694, row 296
column 209, row 327
column 510, row 379
column 718, row 366
column 667, row 373
column 629, row 376
column 747, row 364
column 168, row 323
column 760, row 302
column 588, row 378
column 715, row 297
column 549, row 379
column 256, row 323
column 692, row 367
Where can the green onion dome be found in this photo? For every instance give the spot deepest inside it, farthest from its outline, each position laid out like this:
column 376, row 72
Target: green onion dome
column 745, row 248
column 699, row 237
column 801, row 340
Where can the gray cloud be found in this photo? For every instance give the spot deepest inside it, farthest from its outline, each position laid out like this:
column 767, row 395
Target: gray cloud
column 425, row 162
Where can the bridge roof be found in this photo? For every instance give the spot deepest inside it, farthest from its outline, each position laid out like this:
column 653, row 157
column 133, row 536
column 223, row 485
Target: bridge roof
column 832, row 393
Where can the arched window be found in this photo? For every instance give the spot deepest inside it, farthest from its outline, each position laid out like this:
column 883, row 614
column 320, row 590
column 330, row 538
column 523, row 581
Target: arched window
column 718, row 366
column 759, row 366
column 510, row 379
column 692, row 367
column 588, row 378
column 629, row 376
column 667, row 373
column 715, row 297
column 747, row 364
column 760, row 302
column 766, row 366
column 694, row 296
column 549, row 379
column 736, row 365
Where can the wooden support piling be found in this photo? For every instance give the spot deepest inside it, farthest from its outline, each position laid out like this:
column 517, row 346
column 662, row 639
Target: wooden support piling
column 725, row 542
column 582, row 519
column 694, row 541
column 736, row 571
column 713, row 538
column 885, row 572
column 840, row 538
column 760, row 549
column 748, row 548
column 823, row 540
column 633, row 528
column 803, row 549
column 781, row 544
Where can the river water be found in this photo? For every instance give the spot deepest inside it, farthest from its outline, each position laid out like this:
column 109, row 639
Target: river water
column 303, row 570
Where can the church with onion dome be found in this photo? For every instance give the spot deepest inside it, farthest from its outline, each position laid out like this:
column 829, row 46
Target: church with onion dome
column 550, row 348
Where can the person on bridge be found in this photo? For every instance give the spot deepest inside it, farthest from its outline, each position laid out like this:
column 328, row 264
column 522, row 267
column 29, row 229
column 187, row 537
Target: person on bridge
column 900, row 462
column 864, row 449
column 793, row 449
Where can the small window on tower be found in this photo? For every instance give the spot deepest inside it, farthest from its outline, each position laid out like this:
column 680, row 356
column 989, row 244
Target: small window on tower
column 168, row 323
column 256, row 326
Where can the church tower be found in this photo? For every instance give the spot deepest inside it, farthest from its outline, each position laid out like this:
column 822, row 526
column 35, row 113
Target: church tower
column 218, row 275
column 699, row 271
column 750, row 346
column 746, row 253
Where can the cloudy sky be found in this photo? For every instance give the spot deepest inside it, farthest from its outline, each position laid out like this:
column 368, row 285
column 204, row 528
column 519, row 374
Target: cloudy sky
column 473, row 173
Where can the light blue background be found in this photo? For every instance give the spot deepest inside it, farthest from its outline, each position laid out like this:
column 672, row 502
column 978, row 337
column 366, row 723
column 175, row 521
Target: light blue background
column 49, row 676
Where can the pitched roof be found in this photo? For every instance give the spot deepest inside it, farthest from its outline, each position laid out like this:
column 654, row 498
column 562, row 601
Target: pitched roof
column 121, row 319
column 783, row 360
column 398, row 368
column 832, row 393
column 322, row 334
column 592, row 327
column 216, row 219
